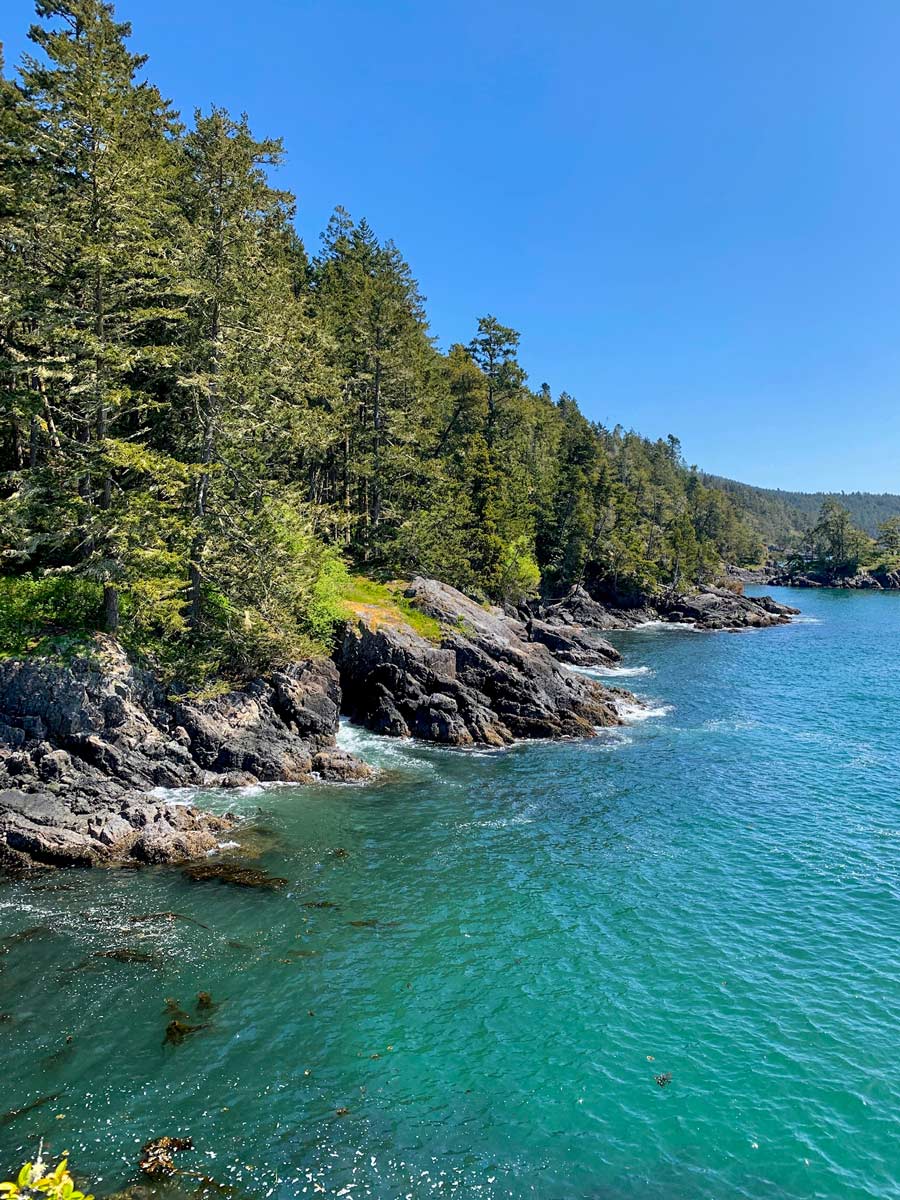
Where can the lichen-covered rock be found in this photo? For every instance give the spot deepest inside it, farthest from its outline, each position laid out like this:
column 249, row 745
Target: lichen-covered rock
column 83, row 741
column 485, row 684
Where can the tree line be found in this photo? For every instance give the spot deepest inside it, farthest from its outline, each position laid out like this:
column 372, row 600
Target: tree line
column 783, row 518
column 836, row 549
column 203, row 426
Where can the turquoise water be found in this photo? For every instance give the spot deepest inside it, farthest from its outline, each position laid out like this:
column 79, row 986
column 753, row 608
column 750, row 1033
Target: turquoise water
column 712, row 892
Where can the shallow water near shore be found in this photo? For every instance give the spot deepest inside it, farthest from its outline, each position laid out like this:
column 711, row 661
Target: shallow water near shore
column 520, row 943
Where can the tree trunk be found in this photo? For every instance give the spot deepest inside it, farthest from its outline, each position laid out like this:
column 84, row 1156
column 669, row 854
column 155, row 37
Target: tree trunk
column 110, row 608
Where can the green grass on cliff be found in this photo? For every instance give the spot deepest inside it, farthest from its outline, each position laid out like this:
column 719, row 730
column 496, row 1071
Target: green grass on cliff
column 384, row 603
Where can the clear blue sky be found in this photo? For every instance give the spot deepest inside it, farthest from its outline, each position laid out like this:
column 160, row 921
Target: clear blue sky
column 690, row 210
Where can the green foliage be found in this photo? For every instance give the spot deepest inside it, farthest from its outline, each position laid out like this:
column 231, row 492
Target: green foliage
column 36, row 1180
column 834, row 549
column 37, row 611
column 203, row 431
column 519, row 573
column 783, row 518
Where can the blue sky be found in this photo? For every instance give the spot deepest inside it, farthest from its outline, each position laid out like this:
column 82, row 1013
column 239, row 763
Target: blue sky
column 690, row 210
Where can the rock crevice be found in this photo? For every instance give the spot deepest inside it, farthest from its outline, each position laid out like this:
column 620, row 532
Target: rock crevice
column 83, row 742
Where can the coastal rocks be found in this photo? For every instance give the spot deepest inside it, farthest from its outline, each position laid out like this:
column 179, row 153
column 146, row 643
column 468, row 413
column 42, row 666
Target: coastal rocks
column 749, row 574
column 74, row 831
column 710, row 608
column 578, row 608
column 569, row 629
column 82, row 742
column 572, row 643
column 719, row 608
column 485, row 684
column 876, row 580
column 280, row 729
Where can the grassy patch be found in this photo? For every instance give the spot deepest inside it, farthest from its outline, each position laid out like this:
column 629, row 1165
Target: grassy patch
column 385, row 604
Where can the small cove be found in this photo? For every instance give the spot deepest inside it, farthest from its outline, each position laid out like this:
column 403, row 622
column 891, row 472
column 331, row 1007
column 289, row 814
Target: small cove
column 511, row 948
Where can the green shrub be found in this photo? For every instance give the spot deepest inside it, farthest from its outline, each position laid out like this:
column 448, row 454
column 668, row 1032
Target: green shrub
column 36, row 610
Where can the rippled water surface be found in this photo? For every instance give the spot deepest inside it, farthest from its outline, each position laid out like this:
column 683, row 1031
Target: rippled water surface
column 711, row 892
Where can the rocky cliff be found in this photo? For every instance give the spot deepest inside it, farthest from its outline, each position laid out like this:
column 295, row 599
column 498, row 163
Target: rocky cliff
column 491, row 679
column 83, row 742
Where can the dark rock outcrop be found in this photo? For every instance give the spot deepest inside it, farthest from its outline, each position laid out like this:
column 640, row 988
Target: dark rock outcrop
column 486, row 683
column 710, row 608
column 579, row 608
column 83, row 741
column 570, row 628
column 878, row 580
column 719, row 608
column 572, row 643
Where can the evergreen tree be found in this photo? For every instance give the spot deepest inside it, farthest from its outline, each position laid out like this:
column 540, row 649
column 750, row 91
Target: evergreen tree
column 99, row 236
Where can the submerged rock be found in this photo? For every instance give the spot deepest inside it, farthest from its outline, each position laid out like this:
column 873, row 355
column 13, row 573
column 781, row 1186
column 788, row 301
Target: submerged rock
column 486, row 683
column 236, row 874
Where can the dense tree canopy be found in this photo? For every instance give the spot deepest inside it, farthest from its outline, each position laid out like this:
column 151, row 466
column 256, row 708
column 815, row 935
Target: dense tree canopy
column 203, row 427
column 783, row 518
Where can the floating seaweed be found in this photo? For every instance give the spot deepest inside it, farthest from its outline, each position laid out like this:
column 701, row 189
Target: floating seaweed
column 124, row 954
column 293, row 955
column 370, row 924
column 339, row 852
column 121, row 954
column 23, row 935
column 233, row 873
column 168, row 916
column 15, row 1113
column 319, row 904
column 156, row 1155
column 177, row 1031
column 665, row 1079
column 58, row 1056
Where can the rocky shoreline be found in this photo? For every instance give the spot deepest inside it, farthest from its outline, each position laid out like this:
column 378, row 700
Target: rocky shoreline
column 86, row 740
column 877, row 581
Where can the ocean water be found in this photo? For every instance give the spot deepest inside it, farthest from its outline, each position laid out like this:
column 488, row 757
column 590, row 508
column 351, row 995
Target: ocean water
column 521, row 942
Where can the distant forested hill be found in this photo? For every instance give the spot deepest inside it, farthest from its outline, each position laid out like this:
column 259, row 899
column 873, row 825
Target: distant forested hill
column 781, row 517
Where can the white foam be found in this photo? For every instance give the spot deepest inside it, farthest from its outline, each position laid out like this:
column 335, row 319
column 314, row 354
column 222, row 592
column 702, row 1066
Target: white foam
column 175, row 795
column 630, row 712
column 653, row 626
column 612, row 672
